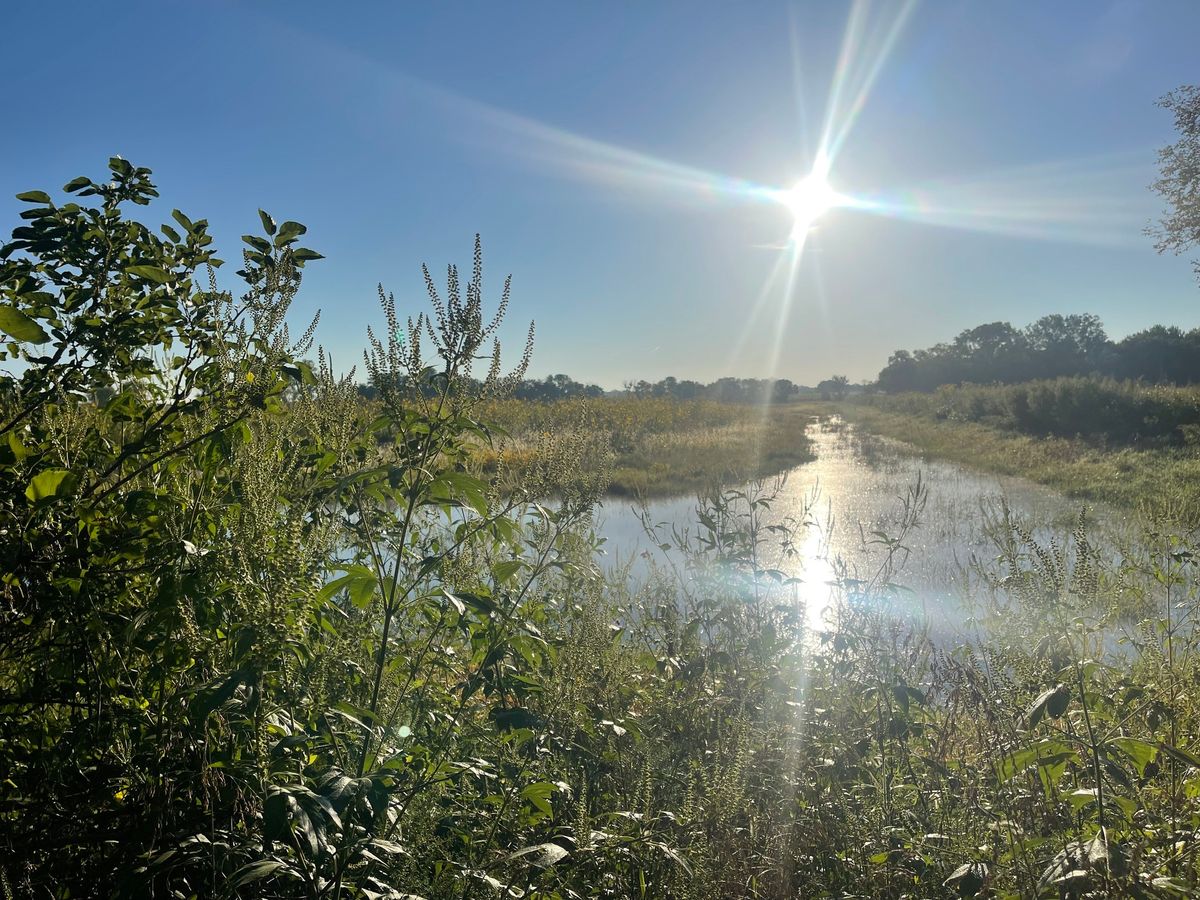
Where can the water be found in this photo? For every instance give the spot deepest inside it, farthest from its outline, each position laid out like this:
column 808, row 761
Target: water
column 860, row 482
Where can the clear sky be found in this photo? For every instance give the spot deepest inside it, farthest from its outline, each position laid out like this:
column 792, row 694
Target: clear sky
column 618, row 159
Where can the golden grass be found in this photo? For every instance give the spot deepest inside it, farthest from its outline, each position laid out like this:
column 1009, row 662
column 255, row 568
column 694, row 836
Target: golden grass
column 653, row 447
column 1160, row 481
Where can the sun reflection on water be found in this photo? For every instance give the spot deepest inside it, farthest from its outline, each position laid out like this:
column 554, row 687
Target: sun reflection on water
column 856, row 487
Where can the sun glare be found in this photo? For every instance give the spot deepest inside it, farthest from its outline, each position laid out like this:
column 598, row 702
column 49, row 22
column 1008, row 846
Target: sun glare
column 808, row 200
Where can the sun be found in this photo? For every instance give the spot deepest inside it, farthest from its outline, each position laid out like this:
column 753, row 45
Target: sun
column 808, row 200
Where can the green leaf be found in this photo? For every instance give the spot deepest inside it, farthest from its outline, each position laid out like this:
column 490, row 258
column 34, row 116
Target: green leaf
column 455, row 602
column 275, row 818
column 150, row 273
column 50, row 483
column 1043, row 753
column 288, row 232
column 503, row 571
column 1054, row 702
column 20, row 327
column 19, row 450
column 363, row 718
column 1180, row 755
column 34, row 197
column 303, row 254
column 301, row 372
column 542, row 856
column 267, row 221
column 215, row 694
column 257, row 871
column 968, row 879
column 259, row 244
column 516, row 717
column 183, row 220
column 77, row 184
column 538, row 796
column 463, row 487
column 359, row 582
column 1140, row 753
column 1082, row 797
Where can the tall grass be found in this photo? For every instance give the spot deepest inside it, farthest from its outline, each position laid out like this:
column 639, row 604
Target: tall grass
column 1126, row 413
column 651, row 446
column 1119, row 443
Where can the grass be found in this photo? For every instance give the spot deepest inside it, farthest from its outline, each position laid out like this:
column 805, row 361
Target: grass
column 652, row 447
column 1162, row 481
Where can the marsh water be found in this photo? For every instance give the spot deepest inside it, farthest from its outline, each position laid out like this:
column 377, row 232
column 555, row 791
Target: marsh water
column 852, row 494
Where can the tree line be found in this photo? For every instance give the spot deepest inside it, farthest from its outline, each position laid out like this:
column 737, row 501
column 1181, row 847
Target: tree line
column 1055, row 346
column 728, row 390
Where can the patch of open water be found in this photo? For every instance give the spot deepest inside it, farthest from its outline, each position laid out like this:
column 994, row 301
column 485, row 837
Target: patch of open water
column 859, row 481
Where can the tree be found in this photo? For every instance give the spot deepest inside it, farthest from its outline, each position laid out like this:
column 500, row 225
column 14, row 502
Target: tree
column 834, row 387
column 1179, row 176
column 783, row 390
column 900, row 373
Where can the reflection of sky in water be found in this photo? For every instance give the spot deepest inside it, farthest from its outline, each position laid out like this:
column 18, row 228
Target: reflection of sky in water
column 862, row 480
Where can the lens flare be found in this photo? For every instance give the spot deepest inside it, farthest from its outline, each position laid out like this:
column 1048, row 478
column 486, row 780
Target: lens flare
column 808, row 200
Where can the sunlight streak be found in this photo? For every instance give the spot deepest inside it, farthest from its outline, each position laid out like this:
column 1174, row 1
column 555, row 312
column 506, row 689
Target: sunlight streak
column 1066, row 201
column 847, row 78
column 794, row 256
column 593, row 159
column 1069, row 201
column 757, row 308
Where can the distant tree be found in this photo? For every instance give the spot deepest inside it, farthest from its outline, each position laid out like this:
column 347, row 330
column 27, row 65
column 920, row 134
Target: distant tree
column 666, row 387
column 993, row 352
column 1066, row 345
column 900, row 374
column 1178, row 231
column 555, row 387
column 730, row 390
column 996, row 352
column 783, row 390
column 1159, row 354
column 834, row 388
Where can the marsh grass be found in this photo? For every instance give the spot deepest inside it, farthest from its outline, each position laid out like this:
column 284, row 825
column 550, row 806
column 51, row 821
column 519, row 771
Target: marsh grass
column 1163, row 482
column 652, row 447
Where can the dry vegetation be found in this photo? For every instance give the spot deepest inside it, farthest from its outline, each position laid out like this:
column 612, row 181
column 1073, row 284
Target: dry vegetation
column 650, row 446
column 1120, row 443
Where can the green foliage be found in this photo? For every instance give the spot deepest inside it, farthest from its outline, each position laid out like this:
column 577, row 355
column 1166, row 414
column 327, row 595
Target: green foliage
column 1055, row 346
column 1179, row 169
column 1099, row 409
column 263, row 637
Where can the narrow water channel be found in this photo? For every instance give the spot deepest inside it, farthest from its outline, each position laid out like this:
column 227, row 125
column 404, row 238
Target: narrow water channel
column 853, row 490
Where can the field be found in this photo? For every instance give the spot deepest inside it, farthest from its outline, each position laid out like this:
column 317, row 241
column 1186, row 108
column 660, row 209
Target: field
column 649, row 447
column 1098, row 440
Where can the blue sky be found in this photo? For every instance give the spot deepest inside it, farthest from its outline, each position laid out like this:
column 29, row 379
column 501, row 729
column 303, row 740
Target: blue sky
column 602, row 150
